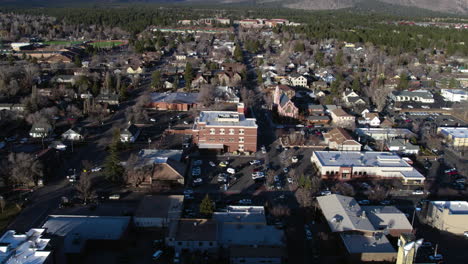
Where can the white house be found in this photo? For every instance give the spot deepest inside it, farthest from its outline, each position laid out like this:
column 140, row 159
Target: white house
column 454, row 95
column 352, row 98
column 300, row 81
column 129, row 134
column 73, row 134
column 368, row 118
column 135, row 70
column 402, row 146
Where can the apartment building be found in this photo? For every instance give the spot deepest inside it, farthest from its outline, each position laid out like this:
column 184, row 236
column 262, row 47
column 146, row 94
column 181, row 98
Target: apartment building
column 339, row 139
column 347, row 165
column 227, row 131
column 450, row 216
column 341, row 118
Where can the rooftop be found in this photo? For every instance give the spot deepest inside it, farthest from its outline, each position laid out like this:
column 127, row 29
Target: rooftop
column 225, row 118
column 355, row 243
column 25, row 248
column 457, row 132
column 340, row 112
column 241, row 214
column 251, row 252
column 389, row 131
column 340, row 136
column 247, row 234
column 161, row 206
column 196, row 230
column 388, row 217
column 455, row 207
column 174, row 98
column 77, row 230
column 159, row 156
column 360, row 159
column 343, row 213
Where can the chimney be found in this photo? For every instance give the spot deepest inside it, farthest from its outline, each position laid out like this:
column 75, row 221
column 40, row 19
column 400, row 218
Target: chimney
column 240, row 108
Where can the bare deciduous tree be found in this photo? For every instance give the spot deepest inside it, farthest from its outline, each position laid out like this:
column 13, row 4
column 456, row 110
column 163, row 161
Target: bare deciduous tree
column 24, row 169
column 85, row 188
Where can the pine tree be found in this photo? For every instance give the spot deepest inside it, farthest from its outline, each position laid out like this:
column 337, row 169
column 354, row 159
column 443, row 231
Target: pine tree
column 238, row 56
column 206, row 206
column 156, row 79
column 356, row 85
column 112, row 168
column 188, row 75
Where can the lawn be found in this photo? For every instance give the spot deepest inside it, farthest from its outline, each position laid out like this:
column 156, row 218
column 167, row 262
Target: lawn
column 62, row 42
column 107, row 44
column 11, row 210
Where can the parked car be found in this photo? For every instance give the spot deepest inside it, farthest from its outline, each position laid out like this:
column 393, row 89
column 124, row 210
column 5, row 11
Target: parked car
column 96, row 169
column 363, row 202
column 436, row 257
column 224, row 163
column 114, row 196
column 212, row 164
column 286, row 170
column 245, row 202
column 176, row 257
column 263, row 149
column 188, row 191
column 326, row 192
column 258, row 175
column 157, row 254
column 196, row 171
column 222, row 177
column 197, row 181
column 418, row 192
column 197, row 162
column 385, row 202
column 255, row 162
column 231, row 171
column 290, row 180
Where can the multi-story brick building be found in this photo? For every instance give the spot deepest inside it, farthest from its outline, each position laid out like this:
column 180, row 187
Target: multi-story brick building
column 226, row 130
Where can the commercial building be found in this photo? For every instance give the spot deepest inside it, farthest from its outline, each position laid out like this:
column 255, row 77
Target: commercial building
column 422, row 96
column 449, row 216
column 402, row 146
column 454, row 95
column 225, row 131
column 173, row 101
column 240, row 230
column 158, row 210
column 388, row 218
column 347, row 165
column 77, row 232
column 384, row 133
column 455, row 136
column 339, row 139
column 347, row 220
column 24, row 248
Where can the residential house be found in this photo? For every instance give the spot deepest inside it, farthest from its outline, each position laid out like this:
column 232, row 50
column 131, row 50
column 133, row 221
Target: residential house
column 40, row 130
column 225, row 130
column 234, row 67
column 65, row 79
column 193, row 235
column 229, row 78
column 455, row 136
column 73, row 134
column 158, row 211
column 347, row 165
column 298, row 81
column 350, row 97
column 129, row 134
column 164, row 166
column 371, row 119
column 198, row 81
column 227, row 94
column 339, row 139
column 454, row 95
column 402, row 146
column 110, row 99
column 12, row 107
column 422, row 96
column 173, row 101
column 181, row 57
column 449, row 216
column 341, row 118
column 362, row 241
column 135, row 70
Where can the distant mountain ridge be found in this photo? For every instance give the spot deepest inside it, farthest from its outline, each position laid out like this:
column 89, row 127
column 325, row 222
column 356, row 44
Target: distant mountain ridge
column 446, row 6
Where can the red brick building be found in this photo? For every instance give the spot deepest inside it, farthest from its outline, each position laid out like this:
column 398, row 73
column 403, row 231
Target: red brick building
column 226, row 131
column 173, row 101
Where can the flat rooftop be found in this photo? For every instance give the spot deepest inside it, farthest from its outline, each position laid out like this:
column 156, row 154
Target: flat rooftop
column 363, row 244
column 241, row 214
column 455, row 207
column 456, row 132
column 25, row 248
column 387, row 217
column 160, row 206
column 226, row 119
column 159, row 156
column 343, row 213
column 248, row 234
column 360, row 159
column 381, row 130
column 174, row 98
